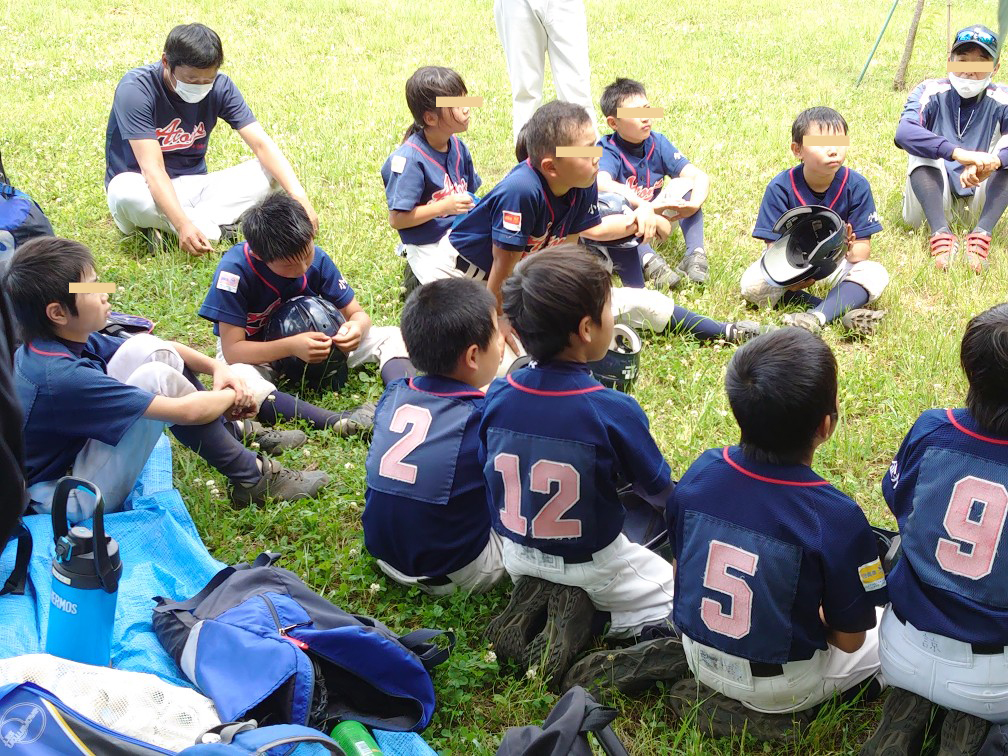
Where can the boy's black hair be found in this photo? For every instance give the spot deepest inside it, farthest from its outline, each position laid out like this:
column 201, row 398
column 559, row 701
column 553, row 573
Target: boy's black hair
column 424, row 87
column 193, row 45
column 555, row 123
column 40, row 273
column 617, row 93
column 826, row 117
column 277, row 228
column 984, row 359
column 549, row 294
column 443, row 318
column 521, row 151
column 971, row 47
column 780, row 387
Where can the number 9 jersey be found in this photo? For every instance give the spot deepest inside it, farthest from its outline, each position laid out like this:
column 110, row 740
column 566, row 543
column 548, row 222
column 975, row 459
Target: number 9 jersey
column 948, row 488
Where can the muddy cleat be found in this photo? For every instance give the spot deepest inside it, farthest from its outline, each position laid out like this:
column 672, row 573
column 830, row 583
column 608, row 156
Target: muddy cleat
column 943, row 249
column 630, row 670
column 231, row 233
column 659, row 272
column 862, row 321
column 901, row 731
column 410, row 282
column 154, row 239
column 356, row 422
column 271, row 440
column 741, row 331
column 280, row 483
column 807, row 320
column 977, row 249
column 695, row 266
column 567, row 633
column 962, row 734
column 525, row 616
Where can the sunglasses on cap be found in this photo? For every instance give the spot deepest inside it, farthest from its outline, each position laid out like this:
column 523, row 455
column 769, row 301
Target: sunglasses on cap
column 968, row 35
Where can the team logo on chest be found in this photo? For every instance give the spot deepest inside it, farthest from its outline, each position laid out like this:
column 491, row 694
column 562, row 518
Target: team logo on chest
column 644, row 192
column 545, row 241
column 450, row 188
column 173, row 137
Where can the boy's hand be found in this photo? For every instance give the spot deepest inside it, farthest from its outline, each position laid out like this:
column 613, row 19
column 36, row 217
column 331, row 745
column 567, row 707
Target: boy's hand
column 647, row 221
column 192, row 240
column 311, row 346
column 310, row 209
column 349, row 336
column 224, row 377
column 456, row 204
column 801, row 285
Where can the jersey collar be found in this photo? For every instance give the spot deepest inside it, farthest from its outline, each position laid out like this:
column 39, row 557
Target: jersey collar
column 778, row 475
column 440, row 385
column 803, row 193
column 555, row 379
column 263, row 272
column 965, row 423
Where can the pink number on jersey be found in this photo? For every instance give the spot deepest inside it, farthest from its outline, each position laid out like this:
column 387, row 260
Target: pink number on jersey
column 983, row 536
column 549, row 523
column 738, row 622
column 511, row 516
column 392, row 465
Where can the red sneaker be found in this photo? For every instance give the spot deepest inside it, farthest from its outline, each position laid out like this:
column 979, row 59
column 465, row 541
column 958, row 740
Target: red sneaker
column 977, row 249
column 943, row 249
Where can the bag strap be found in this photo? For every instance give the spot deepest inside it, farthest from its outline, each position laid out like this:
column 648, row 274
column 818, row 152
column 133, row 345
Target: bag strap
column 597, row 721
column 265, row 559
column 250, row 735
column 15, row 584
column 430, row 654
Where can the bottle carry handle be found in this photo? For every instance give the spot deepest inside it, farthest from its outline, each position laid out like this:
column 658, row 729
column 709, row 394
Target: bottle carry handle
column 107, row 574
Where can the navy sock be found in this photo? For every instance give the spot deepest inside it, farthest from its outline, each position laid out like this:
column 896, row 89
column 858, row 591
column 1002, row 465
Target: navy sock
column 286, row 407
column 995, row 203
column 396, row 368
column 217, row 444
column 692, row 229
column 627, row 265
column 845, row 296
column 800, row 297
column 926, row 183
column 704, row 328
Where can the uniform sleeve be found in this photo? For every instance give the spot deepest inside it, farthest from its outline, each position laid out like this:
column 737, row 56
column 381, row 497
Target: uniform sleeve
column 772, row 207
column 672, row 160
column 513, row 216
column 332, row 285
column 853, row 581
column 914, row 133
column 232, row 106
column 902, row 475
column 863, row 216
column 94, row 405
column 641, row 460
column 586, row 211
column 610, row 161
column 404, row 181
column 133, row 108
column 473, row 180
column 227, row 299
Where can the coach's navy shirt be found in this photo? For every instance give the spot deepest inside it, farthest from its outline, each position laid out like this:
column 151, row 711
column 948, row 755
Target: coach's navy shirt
column 426, row 512
column 144, row 108
column 245, row 292
column 553, row 442
column 644, row 167
column 948, row 488
column 417, row 174
column 68, row 399
column 759, row 548
column 522, row 214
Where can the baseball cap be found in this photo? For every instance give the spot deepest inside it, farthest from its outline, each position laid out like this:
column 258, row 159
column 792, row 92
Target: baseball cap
column 977, row 35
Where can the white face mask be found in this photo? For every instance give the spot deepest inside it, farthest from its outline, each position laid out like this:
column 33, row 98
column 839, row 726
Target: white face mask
column 192, row 92
column 969, row 88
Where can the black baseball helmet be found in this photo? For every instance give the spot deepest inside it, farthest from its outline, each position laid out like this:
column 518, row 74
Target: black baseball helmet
column 612, row 203
column 299, row 315
column 812, row 243
column 621, row 364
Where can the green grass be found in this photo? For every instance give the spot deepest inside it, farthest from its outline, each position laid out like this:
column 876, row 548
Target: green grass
column 326, row 79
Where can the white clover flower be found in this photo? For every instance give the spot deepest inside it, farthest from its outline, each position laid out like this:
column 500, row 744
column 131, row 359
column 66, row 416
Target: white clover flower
column 306, row 452
column 211, row 484
column 254, row 445
column 374, row 588
column 354, row 551
column 348, row 466
column 532, row 672
column 490, row 657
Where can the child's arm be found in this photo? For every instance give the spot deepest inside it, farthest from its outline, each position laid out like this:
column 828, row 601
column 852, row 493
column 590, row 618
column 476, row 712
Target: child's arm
column 197, row 408
column 312, row 346
column 358, row 322
column 454, row 204
column 223, row 376
column 701, row 188
column 846, row 642
column 504, row 261
column 613, row 227
column 860, row 249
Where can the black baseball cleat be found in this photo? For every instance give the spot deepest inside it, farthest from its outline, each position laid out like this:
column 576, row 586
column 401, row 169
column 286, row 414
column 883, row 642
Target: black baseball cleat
column 630, row 670
column 567, row 633
column 962, row 734
column 901, row 730
column 511, row 631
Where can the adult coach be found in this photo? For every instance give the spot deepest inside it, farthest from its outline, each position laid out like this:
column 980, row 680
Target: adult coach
column 156, row 140
column 528, row 29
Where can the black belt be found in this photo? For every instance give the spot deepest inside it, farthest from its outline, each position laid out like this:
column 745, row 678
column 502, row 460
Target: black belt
column 434, row 582
column 981, row 649
column 468, row 269
column 762, row 669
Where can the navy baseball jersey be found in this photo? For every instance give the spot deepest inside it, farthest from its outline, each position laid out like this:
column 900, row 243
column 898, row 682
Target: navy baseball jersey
column 144, row 108
column 849, row 196
column 426, row 511
column 759, row 548
column 935, row 120
column 553, row 441
column 522, row 214
column 642, row 167
column 68, row 398
column 245, row 292
column 947, row 489
column 417, row 174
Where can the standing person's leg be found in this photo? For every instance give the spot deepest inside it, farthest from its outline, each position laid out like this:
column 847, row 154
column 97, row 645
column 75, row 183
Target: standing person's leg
column 132, row 205
column 567, row 44
column 523, row 38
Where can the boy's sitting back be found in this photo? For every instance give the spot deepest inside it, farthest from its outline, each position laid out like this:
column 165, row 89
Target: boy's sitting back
column 426, row 519
column 945, row 634
column 555, row 441
column 777, row 572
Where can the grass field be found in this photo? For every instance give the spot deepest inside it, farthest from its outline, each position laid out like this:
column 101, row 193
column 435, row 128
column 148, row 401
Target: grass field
column 325, row 77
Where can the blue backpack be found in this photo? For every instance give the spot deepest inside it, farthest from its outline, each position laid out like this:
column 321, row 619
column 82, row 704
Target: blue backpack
column 21, row 218
column 262, row 645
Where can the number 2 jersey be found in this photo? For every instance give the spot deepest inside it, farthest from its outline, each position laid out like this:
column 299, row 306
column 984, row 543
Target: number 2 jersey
column 759, row 548
column 426, row 510
column 554, row 441
column 947, row 489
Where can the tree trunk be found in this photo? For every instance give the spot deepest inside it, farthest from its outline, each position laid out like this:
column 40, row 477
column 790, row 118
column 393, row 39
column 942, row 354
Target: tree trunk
column 899, row 83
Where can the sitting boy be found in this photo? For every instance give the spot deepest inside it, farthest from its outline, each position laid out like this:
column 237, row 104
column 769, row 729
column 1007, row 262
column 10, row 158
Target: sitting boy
column 279, row 261
column 777, row 572
column 96, row 405
column 944, row 637
column 955, row 133
column 554, row 442
column 819, row 140
column 635, row 163
column 426, row 519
